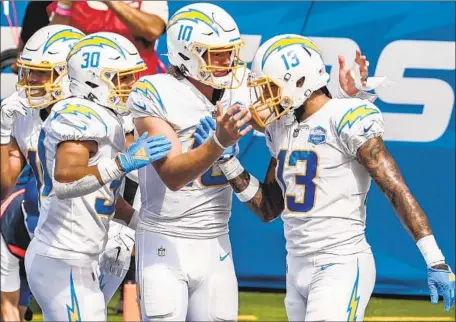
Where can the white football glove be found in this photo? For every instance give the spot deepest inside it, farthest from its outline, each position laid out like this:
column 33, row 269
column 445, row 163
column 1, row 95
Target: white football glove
column 115, row 259
column 12, row 107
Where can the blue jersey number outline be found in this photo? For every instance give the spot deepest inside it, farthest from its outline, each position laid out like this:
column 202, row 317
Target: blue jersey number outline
column 47, row 180
column 102, row 205
column 288, row 159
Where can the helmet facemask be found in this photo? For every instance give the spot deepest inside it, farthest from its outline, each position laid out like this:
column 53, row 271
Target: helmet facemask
column 269, row 104
column 207, row 68
column 120, row 83
column 41, row 83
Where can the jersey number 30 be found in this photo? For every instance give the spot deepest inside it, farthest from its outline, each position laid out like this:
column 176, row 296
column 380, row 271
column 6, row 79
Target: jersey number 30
column 304, row 180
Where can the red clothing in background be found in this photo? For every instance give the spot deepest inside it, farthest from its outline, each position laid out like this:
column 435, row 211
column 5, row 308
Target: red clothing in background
column 90, row 20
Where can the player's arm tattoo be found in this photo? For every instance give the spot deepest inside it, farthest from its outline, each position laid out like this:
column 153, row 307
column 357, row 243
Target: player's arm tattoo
column 385, row 172
column 268, row 202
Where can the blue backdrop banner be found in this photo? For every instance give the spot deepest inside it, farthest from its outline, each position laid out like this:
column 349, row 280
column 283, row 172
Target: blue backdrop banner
column 413, row 44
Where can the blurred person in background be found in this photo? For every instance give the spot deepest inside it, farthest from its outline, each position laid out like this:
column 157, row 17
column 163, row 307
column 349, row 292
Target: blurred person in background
column 141, row 22
column 31, row 23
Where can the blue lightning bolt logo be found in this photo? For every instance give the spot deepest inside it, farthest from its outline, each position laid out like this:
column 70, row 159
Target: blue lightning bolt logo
column 354, row 115
column 354, row 299
column 101, row 281
column 73, row 311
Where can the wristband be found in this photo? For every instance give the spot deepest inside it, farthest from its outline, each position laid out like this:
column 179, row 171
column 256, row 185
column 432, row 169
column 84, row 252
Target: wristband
column 231, row 168
column 218, row 142
column 63, row 12
column 63, row 9
column 430, row 251
column 109, row 171
column 250, row 191
column 5, row 138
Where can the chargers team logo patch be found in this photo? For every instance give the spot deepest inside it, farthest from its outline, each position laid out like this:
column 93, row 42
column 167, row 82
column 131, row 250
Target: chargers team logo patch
column 317, row 135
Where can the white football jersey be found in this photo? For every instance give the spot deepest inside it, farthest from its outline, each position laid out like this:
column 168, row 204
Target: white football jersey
column 324, row 186
column 202, row 208
column 77, row 227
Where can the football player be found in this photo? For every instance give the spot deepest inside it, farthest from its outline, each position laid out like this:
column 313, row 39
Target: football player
column 81, row 148
column 42, row 82
column 186, row 200
column 324, row 154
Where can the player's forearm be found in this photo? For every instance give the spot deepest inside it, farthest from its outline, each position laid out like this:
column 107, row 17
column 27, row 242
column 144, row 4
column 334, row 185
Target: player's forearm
column 6, row 182
column 385, row 172
column 266, row 204
column 181, row 169
column 10, row 168
column 140, row 23
column 77, row 181
column 124, row 211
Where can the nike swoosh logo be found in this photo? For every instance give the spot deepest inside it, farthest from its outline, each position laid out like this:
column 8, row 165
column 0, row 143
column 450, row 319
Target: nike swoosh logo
column 222, row 258
column 366, row 129
column 323, row 267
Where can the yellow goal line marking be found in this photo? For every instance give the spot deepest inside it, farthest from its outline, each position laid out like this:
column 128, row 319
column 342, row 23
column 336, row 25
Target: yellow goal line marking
column 408, row 318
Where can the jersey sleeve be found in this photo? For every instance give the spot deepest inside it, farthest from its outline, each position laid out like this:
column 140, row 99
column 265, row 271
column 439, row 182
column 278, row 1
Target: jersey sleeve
column 75, row 122
column 358, row 124
column 145, row 100
column 157, row 8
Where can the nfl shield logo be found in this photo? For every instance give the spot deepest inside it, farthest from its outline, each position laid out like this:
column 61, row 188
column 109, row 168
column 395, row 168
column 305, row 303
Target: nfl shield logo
column 317, row 135
column 161, row 252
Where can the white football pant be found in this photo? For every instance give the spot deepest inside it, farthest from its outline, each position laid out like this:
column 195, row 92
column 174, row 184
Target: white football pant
column 185, row 279
column 66, row 290
column 329, row 287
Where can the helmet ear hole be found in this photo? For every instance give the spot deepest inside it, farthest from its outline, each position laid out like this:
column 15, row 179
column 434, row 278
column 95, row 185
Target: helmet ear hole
column 300, row 82
column 184, row 57
column 92, row 85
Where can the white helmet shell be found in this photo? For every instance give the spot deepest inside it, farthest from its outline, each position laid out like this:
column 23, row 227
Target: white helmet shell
column 203, row 28
column 46, row 52
column 293, row 65
column 96, row 65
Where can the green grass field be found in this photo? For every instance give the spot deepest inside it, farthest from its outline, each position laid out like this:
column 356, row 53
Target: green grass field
column 269, row 307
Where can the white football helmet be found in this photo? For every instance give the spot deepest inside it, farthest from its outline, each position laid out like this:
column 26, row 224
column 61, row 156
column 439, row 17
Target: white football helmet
column 286, row 70
column 102, row 67
column 203, row 28
column 42, row 65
